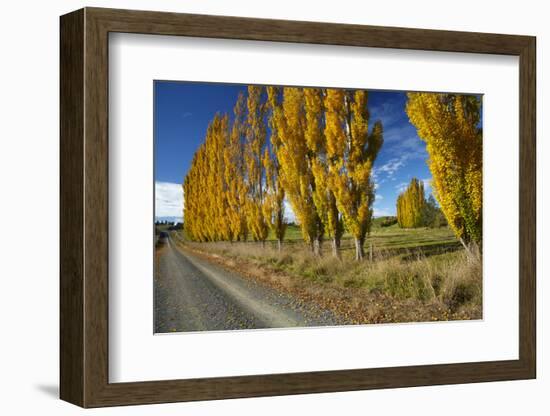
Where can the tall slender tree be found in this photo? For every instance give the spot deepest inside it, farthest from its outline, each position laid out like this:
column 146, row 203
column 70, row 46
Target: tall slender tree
column 194, row 210
column 254, row 152
column 323, row 196
column 190, row 212
column 450, row 126
column 215, row 224
column 211, row 191
column 352, row 151
column 235, row 175
column 221, row 142
column 273, row 207
column 295, row 165
column 411, row 205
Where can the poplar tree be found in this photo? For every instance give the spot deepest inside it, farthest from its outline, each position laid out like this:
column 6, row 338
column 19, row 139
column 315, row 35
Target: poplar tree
column 235, row 175
column 411, row 205
column 351, row 151
column 323, row 196
column 295, row 165
column 254, row 152
column 273, row 207
column 450, row 126
column 189, row 213
column 221, row 143
column 215, row 200
column 205, row 188
column 194, row 210
column 208, row 203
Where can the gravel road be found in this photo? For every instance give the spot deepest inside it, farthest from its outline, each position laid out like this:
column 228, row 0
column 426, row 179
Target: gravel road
column 193, row 294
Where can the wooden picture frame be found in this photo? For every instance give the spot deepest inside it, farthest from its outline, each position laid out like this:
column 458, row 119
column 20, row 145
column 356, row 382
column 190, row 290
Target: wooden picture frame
column 84, row 207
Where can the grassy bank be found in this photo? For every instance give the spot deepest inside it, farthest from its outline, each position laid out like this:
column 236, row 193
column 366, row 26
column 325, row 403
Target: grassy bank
column 415, row 275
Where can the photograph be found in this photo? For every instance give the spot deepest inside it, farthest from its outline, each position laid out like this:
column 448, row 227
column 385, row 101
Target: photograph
column 282, row 206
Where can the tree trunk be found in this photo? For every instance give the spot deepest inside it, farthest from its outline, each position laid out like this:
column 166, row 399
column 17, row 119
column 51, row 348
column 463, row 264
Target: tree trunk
column 336, row 247
column 317, row 247
column 472, row 249
column 468, row 247
column 359, row 254
column 280, row 244
column 263, row 244
column 370, row 252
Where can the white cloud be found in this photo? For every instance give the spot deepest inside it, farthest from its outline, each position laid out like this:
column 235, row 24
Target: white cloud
column 389, row 169
column 392, row 165
column 168, row 199
column 405, row 143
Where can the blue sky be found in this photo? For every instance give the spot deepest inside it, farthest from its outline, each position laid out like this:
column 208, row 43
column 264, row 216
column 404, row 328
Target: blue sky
column 183, row 111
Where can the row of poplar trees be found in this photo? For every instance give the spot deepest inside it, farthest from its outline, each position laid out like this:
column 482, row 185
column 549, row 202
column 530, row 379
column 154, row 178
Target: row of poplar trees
column 415, row 210
column 309, row 146
column 312, row 147
column 410, row 205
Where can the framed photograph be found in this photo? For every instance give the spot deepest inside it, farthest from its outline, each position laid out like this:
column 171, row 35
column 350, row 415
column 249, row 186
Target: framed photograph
column 256, row 207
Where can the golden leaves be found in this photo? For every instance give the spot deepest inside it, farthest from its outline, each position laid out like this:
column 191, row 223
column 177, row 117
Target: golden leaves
column 449, row 124
column 351, row 152
column 292, row 154
column 319, row 157
column 254, row 149
column 410, row 205
column 206, row 201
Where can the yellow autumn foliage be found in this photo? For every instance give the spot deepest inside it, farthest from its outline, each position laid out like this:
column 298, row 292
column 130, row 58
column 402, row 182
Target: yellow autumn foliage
column 319, row 158
column 450, row 126
column 323, row 196
column 204, row 186
column 295, row 164
column 236, row 188
column 351, row 152
column 254, row 152
column 410, row 205
column 273, row 206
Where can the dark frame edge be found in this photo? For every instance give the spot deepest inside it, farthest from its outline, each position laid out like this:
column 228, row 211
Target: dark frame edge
column 172, row 391
column 72, row 342
column 528, row 208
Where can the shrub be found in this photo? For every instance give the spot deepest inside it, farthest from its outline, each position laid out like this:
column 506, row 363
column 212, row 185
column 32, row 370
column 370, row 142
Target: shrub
column 388, row 221
column 402, row 284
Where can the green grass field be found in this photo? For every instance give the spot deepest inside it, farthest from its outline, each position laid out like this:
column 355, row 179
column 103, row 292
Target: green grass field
column 393, row 238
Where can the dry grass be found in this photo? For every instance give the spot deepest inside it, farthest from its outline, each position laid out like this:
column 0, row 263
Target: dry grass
column 404, row 287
